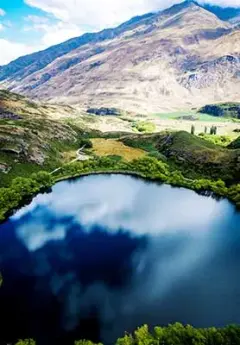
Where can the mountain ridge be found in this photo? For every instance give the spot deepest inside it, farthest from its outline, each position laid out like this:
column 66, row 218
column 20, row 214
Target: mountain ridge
column 149, row 63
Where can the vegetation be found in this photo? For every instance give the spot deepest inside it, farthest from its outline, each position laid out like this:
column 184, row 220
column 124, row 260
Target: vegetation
column 231, row 110
column 111, row 147
column 176, row 334
column 105, row 111
column 144, row 127
column 195, row 157
column 221, row 140
column 193, row 130
column 192, row 115
column 235, row 144
column 22, row 189
column 213, row 130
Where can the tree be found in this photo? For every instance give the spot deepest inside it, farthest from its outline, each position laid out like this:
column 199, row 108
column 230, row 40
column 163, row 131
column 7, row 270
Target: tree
column 193, row 130
column 213, row 130
column 43, row 178
column 26, row 342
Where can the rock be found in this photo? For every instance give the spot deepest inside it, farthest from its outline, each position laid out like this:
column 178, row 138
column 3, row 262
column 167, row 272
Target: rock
column 4, row 168
column 8, row 115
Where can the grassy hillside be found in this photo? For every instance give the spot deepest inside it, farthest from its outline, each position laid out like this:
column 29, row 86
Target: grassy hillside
column 194, row 156
column 31, row 139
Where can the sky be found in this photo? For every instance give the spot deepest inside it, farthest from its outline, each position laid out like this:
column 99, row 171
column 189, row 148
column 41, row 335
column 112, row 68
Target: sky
column 32, row 25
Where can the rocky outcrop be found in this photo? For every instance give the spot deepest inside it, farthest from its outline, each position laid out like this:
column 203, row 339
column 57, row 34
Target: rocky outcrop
column 8, row 115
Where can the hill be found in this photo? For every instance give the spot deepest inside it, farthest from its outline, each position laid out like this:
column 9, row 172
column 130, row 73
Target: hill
column 194, row 156
column 29, row 139
column 182, row 57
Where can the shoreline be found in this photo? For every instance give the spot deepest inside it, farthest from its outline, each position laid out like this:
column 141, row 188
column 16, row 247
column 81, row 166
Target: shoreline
column 23, row 190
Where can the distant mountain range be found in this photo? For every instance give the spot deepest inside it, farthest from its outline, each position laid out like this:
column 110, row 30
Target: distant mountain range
column 182, row 57
column 224, row 13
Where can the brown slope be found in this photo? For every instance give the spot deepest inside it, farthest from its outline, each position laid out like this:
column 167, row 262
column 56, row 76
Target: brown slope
column 171, row 60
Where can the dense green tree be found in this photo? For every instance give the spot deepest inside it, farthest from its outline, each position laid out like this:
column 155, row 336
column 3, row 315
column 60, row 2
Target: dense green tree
column 43, row 178
column 175, row 334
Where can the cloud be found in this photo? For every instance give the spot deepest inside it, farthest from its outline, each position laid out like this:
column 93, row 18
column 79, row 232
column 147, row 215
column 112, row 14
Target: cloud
column 118, row 203
column 2, row 12
column 37, row 19
column 99, row 14
column 11, row 50
column 53, row 33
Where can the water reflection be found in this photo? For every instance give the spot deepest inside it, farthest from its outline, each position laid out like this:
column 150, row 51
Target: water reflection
column 105, row 254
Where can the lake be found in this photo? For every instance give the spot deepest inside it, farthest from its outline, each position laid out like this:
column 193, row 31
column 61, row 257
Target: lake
column 101, row 255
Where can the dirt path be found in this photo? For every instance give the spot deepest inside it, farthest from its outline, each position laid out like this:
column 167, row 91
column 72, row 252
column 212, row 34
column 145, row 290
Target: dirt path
column 81, row 156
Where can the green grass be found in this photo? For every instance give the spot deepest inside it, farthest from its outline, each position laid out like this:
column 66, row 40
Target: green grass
column 144, row 127
column 201, row 117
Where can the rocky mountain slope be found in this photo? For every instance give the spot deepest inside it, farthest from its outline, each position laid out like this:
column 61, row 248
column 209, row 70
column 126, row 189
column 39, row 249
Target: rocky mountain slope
column 182, row 57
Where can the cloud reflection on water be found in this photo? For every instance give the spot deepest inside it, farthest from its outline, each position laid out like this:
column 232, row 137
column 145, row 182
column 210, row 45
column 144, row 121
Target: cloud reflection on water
column 115, row 203
column 179, row 226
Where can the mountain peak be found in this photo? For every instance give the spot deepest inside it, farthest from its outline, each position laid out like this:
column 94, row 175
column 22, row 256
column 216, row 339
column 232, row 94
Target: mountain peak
column 189, row 3
column 181, row 6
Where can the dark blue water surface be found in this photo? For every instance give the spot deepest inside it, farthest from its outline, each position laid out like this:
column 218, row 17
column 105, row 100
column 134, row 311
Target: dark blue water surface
column 104, row 254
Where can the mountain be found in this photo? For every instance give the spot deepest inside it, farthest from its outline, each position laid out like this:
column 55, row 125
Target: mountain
column 224, row 13
column 235, row 20
column 181, row 57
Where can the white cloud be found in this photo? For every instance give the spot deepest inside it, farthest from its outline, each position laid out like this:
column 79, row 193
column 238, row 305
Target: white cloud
column 53, row 33
column 11, row 50
column 2, row 12
column 37, row 19
column 99, row 14
column 59, row 32
column 1, row 27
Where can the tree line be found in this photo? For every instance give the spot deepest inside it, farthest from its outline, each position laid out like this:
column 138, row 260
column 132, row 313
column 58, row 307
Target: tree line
column 175, row 334
column 22, row 189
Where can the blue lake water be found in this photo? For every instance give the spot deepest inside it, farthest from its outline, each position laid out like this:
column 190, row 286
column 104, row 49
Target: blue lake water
column 101, row 255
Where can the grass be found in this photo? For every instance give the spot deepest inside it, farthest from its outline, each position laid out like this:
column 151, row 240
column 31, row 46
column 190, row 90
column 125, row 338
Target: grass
column 111, row 147
column 193, row 156
column 144, row 127
column 201, row 117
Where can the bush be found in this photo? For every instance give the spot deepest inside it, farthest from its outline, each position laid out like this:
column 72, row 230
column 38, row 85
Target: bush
column 144, row 127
